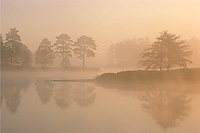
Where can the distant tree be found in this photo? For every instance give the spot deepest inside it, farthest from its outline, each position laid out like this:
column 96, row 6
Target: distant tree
column 111, row 53
column 26, row 55
column 194, row 44
column 125, row 54
column 14, row 52
column 84, row 47
column 167, row 52
column 64, row 47
column 3, row 51
column 44, row 55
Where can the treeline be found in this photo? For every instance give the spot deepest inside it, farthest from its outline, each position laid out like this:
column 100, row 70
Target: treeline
column 168, row 51
column 16, row 54
column 125, row 54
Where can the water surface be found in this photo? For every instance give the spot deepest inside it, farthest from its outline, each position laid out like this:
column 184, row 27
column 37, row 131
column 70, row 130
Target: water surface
column 36, row 106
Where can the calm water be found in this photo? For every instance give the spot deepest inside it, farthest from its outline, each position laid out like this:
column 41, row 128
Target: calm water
column 36, row 106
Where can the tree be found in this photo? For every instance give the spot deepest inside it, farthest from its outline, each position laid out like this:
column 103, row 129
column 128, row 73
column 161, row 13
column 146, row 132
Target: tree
column 14, row 52
column 3, row 51
column 84, row 47
column 167, row 52
column 125, row 54
column 63, row 47
column 44, row 55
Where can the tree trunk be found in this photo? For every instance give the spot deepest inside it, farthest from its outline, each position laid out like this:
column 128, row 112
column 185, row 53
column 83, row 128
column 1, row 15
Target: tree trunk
column 83, row 55
column 11, row 60
column 84, row 60
column 161, row 65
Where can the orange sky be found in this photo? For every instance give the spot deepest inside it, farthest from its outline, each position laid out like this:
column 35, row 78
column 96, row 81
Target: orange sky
column 107, row 21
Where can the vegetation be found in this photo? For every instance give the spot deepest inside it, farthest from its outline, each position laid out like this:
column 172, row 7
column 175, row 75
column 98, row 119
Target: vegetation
column 125, row 54
column 44, row 55
column 167, row 52
column 64, row 47
column 150, row 76
column 14, row 52
column 84, row 47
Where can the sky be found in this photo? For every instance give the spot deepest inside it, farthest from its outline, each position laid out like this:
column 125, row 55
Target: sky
column 106, row 21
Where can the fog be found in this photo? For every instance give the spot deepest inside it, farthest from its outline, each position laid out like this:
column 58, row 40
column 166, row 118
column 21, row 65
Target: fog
column 96, row 66
column 107, row 22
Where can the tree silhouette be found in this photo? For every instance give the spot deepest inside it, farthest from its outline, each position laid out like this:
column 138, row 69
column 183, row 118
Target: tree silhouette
column 44, row 55
column 167, row 52
column 14, row 52
column 63, row 47
column 126, row 53
column 84, row 47
column 4, row 56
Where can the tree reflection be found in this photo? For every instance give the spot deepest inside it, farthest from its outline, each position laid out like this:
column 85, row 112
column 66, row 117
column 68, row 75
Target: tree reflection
column 84, row 94
column 64, row 93
column 168, row 109
column 11, row 92
column 44, row 90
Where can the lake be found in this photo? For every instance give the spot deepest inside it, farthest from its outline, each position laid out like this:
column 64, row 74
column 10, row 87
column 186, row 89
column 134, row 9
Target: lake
column 30, row 105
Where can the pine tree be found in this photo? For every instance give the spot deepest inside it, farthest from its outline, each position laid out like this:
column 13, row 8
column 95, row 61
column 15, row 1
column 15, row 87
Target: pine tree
column 167, row 52
column 44, row 55
column 64, row 47
column 84, row 47
column 14, row 52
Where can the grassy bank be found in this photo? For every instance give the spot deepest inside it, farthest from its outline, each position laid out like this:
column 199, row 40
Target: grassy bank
column 192, row 74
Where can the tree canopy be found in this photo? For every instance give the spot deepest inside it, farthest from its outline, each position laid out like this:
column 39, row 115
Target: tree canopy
column 125, row 54
column 64, row 47
column 167, row 52
column 84, row 47
column 44, row 55
column 14, row 52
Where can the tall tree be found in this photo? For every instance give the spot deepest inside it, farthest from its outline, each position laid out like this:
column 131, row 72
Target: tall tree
column 14, row 51
column 84, row 47
column 167, row 52
column 44, row 55
column 64, row 47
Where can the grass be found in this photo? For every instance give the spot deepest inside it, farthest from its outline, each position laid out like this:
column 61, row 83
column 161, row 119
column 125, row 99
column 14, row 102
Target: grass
column 150, row 76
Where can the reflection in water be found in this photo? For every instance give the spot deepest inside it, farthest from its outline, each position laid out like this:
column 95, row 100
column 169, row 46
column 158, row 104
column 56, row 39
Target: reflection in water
column 11, row 91
column 84, row 94
column 65, row 93
column 165, row 107
column 44, row 90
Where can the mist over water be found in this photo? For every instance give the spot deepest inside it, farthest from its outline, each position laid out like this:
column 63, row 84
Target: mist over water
column 100, row 66
column 52, row 106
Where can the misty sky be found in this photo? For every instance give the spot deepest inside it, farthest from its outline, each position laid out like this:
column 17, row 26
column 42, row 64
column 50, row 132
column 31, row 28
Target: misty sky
column 107, row 21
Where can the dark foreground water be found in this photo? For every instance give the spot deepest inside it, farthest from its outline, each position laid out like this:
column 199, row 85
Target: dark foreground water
column 36, row 106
